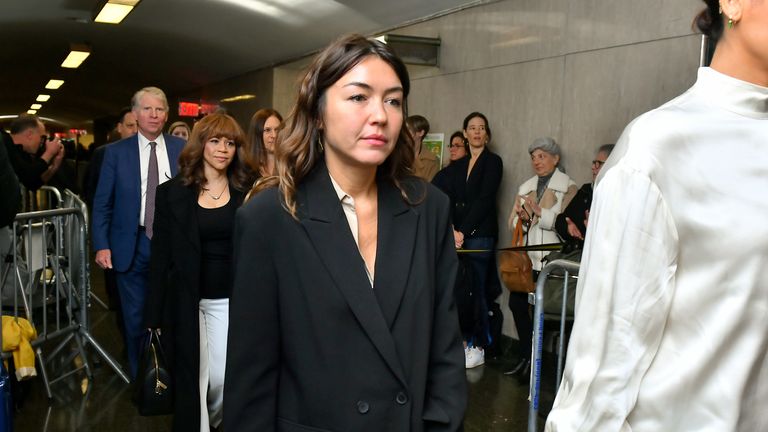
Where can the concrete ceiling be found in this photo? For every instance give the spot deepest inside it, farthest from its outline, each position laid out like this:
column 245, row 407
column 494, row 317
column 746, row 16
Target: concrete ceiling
column 177, row 45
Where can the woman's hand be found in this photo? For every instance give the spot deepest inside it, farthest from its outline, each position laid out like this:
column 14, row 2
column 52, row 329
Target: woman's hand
column 573, row 230
column 531, row 204
column 458, row 239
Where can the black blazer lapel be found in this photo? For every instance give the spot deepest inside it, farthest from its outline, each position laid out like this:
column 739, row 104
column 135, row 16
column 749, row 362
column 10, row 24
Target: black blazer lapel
column 475, row 177
column 396, row 238
column 327, row 227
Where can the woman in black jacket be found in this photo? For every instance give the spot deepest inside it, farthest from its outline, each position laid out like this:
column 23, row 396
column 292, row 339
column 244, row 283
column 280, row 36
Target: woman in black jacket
column 347, row 321
column 472, row 184
column 190, row 269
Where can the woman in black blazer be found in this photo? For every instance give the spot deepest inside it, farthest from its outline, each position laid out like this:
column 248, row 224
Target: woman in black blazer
column 190, row 268
column 472, row 183
column 342, row 315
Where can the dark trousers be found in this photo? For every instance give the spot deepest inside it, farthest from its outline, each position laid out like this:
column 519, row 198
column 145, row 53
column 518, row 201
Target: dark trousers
column 481, row 262
column 133, row 285
column 521, row 311
column 113, row 299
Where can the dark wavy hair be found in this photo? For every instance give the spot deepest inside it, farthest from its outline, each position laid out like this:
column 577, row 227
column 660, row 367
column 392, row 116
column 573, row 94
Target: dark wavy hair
column 710, row 20
column 300, row 148
column 216, row 125
column 459, row 134
column 255, row 147
column 485, row 119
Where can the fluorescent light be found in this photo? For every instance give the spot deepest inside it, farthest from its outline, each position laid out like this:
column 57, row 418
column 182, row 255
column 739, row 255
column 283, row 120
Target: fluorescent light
column 31, row 111
column 54, row 84
column 114, row 11
column 35, row 106
column 43, row 98
column 238, row 98
column 76, row 57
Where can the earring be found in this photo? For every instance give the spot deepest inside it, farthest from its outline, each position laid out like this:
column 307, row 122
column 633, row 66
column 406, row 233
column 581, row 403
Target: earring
column 730, row 23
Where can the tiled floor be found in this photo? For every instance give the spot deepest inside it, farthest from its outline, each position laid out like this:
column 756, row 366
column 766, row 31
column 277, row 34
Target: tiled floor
column 497, row 402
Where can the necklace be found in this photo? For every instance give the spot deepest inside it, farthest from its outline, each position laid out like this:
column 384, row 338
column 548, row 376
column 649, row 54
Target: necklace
column 216, row 197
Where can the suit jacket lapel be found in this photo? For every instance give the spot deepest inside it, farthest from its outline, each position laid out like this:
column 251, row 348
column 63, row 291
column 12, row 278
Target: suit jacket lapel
column 478, row 168
column 133, row 164
column 396, row 237
column 327, row 227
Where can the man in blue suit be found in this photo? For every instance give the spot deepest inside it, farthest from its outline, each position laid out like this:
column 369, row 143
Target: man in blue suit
column 123, row 207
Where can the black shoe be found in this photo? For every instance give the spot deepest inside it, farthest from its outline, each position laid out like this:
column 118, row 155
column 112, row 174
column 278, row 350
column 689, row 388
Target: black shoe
column 524, row 376
column 521, row 367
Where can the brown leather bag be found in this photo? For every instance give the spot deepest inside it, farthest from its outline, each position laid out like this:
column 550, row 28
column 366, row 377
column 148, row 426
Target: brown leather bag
column 515, row 267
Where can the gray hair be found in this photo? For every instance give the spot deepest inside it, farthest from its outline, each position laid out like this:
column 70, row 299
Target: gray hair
column 545, row 144
column 154, row 91
column 606, row 148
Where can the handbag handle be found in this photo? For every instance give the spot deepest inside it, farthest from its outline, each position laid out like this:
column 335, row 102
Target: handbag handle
column 517, row 235
column 154, row 345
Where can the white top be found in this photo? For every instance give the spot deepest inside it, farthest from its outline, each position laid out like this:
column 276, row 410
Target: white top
column 348, row 204
column 671, row 330
column 163, row 166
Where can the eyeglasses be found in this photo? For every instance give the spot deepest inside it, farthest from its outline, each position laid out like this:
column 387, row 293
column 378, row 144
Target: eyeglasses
column 456, row 146
column 598, row 163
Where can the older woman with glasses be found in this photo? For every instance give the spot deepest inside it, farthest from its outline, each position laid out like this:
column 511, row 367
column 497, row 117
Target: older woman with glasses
column 538, row 202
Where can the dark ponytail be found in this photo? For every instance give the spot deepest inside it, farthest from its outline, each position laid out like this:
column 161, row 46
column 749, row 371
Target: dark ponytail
column 709, row 21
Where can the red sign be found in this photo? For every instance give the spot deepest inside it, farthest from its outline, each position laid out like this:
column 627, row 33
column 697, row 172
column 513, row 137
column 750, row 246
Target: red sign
column 189, row 109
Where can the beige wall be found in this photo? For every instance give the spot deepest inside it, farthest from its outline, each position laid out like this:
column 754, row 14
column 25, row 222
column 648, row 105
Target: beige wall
column 577, row 71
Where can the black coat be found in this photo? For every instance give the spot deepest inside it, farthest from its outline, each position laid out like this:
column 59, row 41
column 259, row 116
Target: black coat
column 575, row 211
column 174, row 292
column 313, row 347
column 473, row 199
column 10, row 203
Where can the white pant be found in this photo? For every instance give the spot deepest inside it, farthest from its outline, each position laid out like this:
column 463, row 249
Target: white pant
column 214, row 322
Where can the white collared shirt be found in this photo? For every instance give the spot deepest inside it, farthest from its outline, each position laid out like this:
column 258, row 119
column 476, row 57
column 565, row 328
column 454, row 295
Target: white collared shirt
column 348, row 205
column 163, row 167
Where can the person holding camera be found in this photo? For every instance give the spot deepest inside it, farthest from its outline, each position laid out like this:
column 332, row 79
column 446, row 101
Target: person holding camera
column 34, row 156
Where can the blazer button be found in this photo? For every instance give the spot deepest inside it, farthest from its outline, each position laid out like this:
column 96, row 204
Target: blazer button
column 401, row 398
column 363, row 407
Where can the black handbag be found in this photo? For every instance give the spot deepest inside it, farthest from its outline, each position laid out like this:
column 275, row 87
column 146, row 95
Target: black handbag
column 153, row 394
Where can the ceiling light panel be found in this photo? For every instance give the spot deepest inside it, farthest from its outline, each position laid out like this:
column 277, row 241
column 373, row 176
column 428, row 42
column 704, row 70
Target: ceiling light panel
column 43, row 98
column 54, row 84
column 35, row 106
column 113, row 13
column 74, row 59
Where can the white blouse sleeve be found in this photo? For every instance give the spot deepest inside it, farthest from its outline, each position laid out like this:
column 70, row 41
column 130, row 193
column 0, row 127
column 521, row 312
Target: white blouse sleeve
column 625, row 289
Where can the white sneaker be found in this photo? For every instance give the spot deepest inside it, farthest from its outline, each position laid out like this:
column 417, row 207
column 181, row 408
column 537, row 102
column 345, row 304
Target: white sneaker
column 473, row 357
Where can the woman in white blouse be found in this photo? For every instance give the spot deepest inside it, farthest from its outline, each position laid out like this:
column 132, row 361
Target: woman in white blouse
column 671, row 330
column 538, row 202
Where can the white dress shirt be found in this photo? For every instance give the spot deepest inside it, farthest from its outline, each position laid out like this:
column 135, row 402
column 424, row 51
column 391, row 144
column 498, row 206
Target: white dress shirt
column 671, row 330
column 348, row 204
column 163, row 167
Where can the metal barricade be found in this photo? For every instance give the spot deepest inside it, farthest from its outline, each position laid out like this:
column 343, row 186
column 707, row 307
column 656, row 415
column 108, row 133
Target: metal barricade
column 72, row 200
column 570, row 269
column 47, row 261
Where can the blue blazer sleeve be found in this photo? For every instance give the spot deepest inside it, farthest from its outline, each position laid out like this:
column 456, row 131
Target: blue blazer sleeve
column 103, row 201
